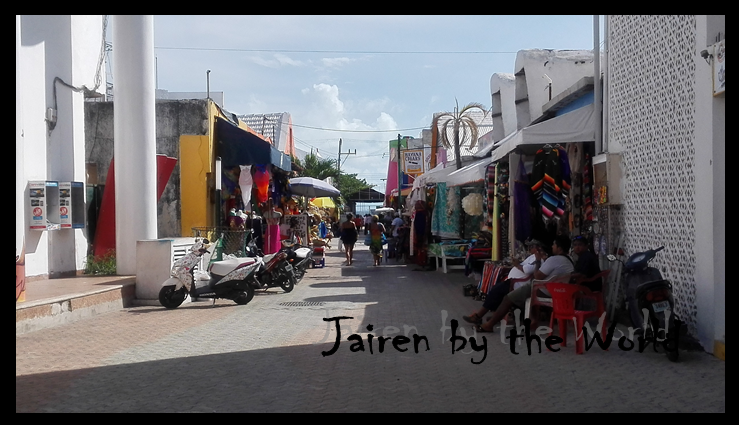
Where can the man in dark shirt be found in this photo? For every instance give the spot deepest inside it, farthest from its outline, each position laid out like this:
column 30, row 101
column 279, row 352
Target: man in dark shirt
column 587, row 263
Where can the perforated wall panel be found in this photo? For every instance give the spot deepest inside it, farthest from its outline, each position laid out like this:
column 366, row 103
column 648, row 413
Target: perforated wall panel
column 652, row 115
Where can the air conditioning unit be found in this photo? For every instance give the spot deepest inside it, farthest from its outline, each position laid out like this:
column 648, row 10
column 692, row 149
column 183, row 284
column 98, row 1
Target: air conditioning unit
column 154, row 260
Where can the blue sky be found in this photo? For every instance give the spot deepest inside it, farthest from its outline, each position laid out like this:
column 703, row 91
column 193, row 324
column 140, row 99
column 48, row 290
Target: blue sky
column 374, row 74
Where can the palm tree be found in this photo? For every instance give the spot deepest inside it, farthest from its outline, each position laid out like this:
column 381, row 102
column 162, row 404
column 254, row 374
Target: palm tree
column 460, row 121
column 316, row 167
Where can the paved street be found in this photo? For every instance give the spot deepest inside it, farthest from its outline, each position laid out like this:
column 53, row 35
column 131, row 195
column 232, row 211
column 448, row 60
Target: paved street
column 266, row 357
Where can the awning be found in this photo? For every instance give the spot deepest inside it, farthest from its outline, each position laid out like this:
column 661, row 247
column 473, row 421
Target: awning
column 240, row 147
column 472, row 173
column 575, row 126
column 438, row 173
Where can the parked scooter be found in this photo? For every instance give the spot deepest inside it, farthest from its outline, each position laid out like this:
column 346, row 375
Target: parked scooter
column 274, row 270
column 229, row 279
column 649, row 299
column 300, row 257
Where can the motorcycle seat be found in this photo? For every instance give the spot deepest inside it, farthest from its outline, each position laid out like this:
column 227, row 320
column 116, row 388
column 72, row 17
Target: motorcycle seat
column 225, row 267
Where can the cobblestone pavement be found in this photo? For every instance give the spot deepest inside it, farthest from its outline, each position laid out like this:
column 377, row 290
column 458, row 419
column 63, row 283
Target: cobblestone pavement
column 266, row 357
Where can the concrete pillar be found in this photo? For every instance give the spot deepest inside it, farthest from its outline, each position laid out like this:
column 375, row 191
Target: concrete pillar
column 20, row 174
column 134, row 136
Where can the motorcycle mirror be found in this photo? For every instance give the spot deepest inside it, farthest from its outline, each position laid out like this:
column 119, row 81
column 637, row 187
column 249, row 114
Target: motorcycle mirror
column 611, row 257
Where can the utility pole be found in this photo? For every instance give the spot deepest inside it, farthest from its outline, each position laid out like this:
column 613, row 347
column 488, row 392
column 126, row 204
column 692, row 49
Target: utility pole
column 400, row 178
column 338, row 163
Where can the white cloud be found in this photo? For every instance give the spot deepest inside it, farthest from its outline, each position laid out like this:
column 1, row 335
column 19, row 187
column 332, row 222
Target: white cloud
column 336, row 62
column 278, row 61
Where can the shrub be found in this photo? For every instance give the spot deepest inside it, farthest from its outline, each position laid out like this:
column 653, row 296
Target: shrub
column 102, row 265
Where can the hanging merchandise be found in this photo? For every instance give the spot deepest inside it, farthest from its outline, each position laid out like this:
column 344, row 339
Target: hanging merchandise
column 587, row 189
column 246, row 182
column 550, row 180
column 522, row 204
column 472, row 204
column 504, row 206
column 261, row 183
column 490, row 190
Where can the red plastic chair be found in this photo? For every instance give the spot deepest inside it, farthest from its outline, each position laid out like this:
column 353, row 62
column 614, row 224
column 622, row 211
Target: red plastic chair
column 598, row 295
column 536, row 301
column 564, row 296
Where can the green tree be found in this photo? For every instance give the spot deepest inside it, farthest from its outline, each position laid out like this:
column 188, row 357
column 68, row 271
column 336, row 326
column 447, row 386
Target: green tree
column 463, row 128
column 318, row 168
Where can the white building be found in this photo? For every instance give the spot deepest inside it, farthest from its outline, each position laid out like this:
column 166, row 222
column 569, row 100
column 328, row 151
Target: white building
column 503, row 110
column 661, row 115
column 541, row 74
column 56, row 56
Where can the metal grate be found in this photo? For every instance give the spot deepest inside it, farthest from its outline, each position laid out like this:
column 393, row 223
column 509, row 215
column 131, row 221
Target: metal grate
column 302, row 304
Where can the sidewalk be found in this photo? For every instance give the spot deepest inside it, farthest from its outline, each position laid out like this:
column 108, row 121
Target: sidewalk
column 274, row 355
column 51, row 302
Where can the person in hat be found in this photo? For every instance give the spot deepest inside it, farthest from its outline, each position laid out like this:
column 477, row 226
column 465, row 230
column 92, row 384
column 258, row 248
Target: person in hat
column 496, row 293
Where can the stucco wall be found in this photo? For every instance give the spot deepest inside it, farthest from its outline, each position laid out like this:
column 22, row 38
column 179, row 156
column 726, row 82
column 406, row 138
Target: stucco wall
column 563, row 67
column 67, row 47
column 173, row 119
column 503, row 92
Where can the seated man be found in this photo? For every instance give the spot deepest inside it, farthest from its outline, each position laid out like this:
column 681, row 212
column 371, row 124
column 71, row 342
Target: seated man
column 558, row 264
column 496, row 293
column 587, row 263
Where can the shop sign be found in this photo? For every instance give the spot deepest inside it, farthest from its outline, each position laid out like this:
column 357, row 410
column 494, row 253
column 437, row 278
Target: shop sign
column 719, row 68
column 414, row 162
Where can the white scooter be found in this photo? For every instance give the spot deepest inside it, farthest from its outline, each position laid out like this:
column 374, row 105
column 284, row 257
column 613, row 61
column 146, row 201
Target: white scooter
column 233, row 279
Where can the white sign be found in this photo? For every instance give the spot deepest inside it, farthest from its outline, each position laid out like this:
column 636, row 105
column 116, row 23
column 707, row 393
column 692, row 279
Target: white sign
column 719, row 68
column 414, row 162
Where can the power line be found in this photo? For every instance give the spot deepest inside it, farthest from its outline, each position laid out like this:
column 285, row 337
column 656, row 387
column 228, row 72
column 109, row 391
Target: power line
column 227, row 49
column 359, row 131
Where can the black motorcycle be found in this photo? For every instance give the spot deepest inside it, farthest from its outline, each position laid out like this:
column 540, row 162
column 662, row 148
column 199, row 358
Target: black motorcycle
column 300, row 257
column 649, row 300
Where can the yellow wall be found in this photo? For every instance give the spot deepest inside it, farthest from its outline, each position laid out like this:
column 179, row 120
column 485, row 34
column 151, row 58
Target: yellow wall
column 195, row 165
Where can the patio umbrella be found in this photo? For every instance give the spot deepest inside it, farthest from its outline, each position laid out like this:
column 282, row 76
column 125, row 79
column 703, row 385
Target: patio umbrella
column 312, row 188
column 323, row 202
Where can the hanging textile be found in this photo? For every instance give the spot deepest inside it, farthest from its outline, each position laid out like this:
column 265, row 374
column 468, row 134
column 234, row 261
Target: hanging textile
column 490, row 198
column 246, row 182
column 550, row 181
column 261, row 183
column 587, row 189
column 522, row 204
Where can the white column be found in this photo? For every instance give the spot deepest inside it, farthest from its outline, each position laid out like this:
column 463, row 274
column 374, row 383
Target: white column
column 20, row 175
column 134, row 136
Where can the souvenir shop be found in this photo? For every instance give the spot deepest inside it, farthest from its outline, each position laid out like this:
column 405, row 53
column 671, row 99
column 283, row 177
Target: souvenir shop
column 253, row 192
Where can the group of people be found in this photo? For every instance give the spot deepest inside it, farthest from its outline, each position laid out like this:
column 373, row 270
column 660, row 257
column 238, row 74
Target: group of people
column 539, row 265
column 350, row 229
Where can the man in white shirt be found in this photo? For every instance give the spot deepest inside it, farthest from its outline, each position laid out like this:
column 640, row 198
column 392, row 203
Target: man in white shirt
column 496, row 293
column 367, row 222
column 556, row 265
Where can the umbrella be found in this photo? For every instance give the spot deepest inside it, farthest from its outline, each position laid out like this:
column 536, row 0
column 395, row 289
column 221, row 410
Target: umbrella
column 312, row 188
column 323, row 202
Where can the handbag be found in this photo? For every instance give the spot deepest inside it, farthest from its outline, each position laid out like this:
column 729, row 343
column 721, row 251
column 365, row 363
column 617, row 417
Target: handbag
column 384, row 239
column 368, row 240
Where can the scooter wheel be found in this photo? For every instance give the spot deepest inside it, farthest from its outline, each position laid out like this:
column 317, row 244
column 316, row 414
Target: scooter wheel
column 245, row 296
column 171, row 298
column 289, row 285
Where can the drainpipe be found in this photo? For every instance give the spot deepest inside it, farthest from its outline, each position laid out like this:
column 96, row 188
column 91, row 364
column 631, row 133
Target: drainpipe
column 597, row 103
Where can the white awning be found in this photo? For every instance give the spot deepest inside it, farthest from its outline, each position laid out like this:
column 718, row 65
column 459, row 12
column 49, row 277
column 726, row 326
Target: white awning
column 473, row 173
column 575, row 126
